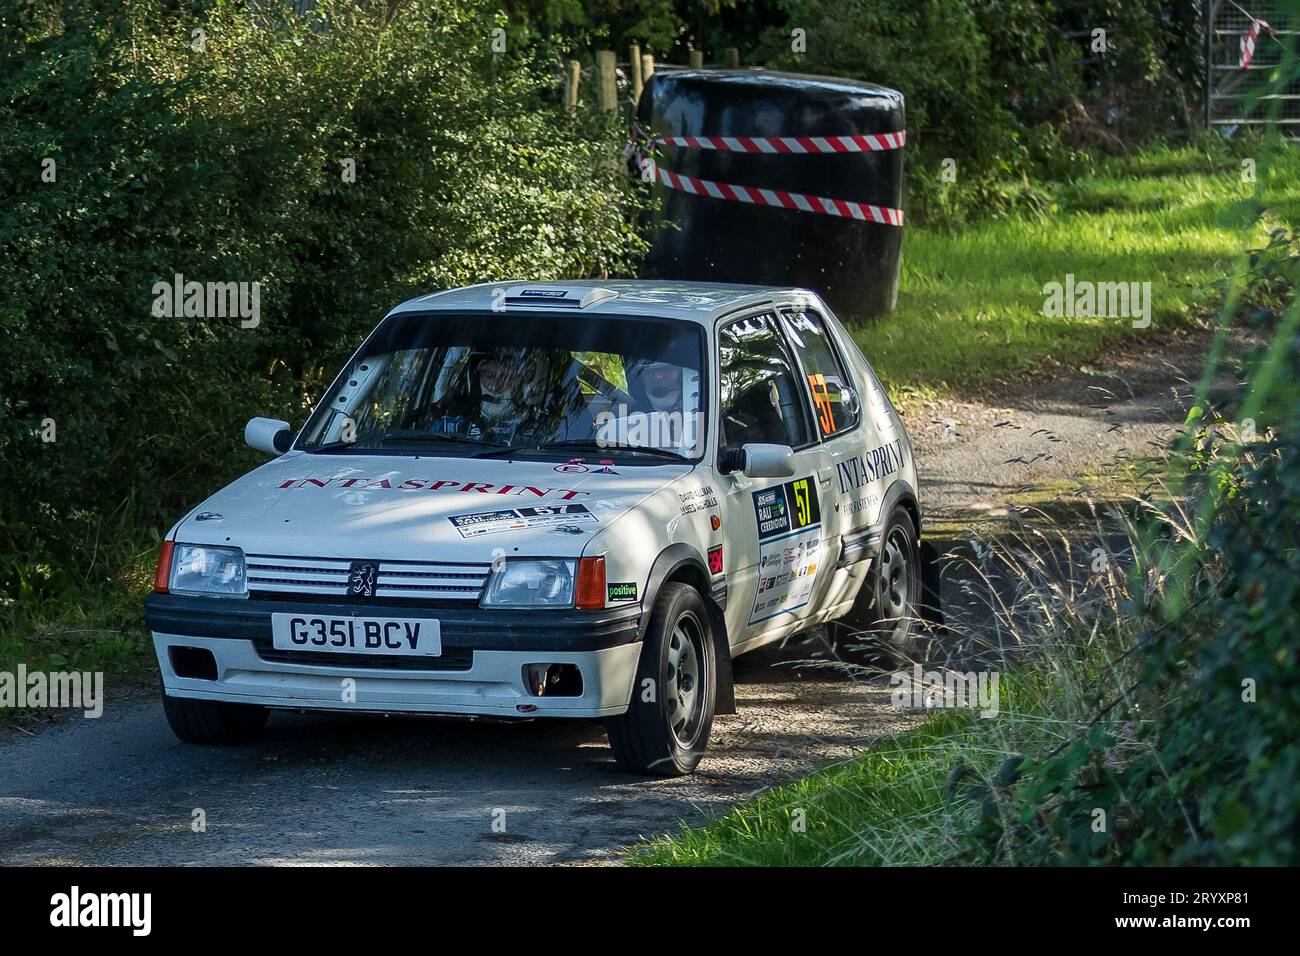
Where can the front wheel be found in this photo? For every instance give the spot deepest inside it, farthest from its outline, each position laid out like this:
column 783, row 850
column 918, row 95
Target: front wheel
column 666, row 727
column 212, row 721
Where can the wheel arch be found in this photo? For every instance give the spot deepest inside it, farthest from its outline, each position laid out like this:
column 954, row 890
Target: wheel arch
column 683, row 564
column 901, row 493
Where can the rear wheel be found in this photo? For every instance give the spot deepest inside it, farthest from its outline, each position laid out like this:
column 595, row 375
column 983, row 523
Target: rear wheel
column 885, row 616
column 212, row 721
column 666, row 727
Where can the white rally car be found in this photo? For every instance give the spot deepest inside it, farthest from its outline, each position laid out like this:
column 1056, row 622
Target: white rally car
column 576, row 499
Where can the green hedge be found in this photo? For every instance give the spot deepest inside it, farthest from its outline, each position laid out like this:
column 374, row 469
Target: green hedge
column 997, row 85
column 223, row 160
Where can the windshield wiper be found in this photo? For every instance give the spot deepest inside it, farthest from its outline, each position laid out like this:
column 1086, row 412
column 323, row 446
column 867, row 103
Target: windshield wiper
column 333, row 446
column 585, row 444
column 403, row 438
column 413, row 437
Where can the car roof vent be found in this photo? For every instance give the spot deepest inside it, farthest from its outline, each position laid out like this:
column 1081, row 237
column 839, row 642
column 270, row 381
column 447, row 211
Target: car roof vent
column 554, row 297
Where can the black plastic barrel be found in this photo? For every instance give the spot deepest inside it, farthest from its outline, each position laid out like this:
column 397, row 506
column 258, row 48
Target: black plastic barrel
column 852, row 263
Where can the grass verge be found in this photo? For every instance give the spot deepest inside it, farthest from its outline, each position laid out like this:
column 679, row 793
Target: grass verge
column 970, row 304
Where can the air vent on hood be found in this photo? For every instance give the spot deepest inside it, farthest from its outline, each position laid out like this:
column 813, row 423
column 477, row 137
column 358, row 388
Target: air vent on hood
column 545, row 297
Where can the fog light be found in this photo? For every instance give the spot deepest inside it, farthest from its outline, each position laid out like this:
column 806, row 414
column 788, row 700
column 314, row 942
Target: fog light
column 194, row 663
column 553, row 680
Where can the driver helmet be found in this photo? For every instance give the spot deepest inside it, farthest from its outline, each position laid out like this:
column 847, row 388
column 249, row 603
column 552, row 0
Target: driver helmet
column 499, row 375
column 662, row 382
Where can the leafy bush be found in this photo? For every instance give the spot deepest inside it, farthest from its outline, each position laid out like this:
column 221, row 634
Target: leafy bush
column 220, row 156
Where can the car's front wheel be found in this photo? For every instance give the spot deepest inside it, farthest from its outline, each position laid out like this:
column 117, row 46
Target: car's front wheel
column 666, row 727
column 212, row 721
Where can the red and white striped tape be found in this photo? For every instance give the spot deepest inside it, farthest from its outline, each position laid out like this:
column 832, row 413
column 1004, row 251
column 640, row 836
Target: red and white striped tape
column 1249, row 41
column 775, row 197
column 867, row 143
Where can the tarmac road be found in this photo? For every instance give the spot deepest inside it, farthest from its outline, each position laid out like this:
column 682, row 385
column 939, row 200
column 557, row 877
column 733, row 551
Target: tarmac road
column 333, row 790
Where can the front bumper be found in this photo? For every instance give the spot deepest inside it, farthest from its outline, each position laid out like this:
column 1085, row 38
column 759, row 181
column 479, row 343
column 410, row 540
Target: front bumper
column 480, row 672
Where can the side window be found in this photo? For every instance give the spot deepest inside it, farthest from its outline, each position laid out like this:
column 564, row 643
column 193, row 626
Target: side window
column 761, row 401
column 834, row 400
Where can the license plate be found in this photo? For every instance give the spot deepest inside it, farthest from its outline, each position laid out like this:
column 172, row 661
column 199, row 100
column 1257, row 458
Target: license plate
column 397, row 636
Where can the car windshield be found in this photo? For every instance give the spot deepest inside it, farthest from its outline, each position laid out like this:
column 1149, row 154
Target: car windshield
column 519, row 384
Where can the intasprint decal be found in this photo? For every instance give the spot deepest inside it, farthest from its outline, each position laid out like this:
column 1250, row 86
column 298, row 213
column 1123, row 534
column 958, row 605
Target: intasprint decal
column 789, row 550
column 621, row 592
column 715, row 559
column 426, row 484
column 519, row 519
column 870, row 466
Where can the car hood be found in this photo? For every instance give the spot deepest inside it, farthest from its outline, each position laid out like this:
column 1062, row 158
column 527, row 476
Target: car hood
column 425, row 508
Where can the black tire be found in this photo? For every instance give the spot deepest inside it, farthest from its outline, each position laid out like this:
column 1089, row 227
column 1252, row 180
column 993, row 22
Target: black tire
column 213, row 722
column 885, row 620
column 666, row 727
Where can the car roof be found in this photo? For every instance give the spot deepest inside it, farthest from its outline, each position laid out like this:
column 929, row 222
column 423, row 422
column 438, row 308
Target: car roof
column 700, row 302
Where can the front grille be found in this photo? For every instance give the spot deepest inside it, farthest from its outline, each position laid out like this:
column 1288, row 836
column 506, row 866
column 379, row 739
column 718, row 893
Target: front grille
column 451, row 659
column 425, row 580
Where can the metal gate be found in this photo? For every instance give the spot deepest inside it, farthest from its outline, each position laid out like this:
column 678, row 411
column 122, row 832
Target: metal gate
column 1254, row 94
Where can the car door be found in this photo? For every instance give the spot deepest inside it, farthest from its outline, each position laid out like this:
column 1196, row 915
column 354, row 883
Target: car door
column 835, row 394
column 774, row 536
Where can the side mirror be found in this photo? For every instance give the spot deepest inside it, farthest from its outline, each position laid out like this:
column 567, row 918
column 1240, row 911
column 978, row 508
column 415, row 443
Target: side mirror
column 757, row 460
column 269, row 435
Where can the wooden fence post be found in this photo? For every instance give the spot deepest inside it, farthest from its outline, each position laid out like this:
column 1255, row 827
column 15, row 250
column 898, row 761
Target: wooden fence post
column 606, row 66
column 571, row 80
column 731, row 56
column 697, row 59
column 634, row 67
column 647, row 67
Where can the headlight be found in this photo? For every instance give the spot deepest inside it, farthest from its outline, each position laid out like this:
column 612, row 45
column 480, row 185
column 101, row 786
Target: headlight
column 545, row 582
column 199, row 569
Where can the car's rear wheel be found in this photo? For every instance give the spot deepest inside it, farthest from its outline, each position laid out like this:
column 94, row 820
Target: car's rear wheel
column 212, row 721
column 885, row 617
column 666, row 727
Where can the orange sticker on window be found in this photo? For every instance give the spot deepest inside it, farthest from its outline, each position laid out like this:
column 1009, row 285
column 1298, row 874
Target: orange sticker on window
column 822, row 402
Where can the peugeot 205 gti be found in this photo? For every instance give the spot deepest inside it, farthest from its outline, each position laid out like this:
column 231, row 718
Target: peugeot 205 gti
column 549, row 500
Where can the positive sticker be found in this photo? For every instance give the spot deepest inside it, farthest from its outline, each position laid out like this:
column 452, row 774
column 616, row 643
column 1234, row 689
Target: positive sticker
column 622, row 592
